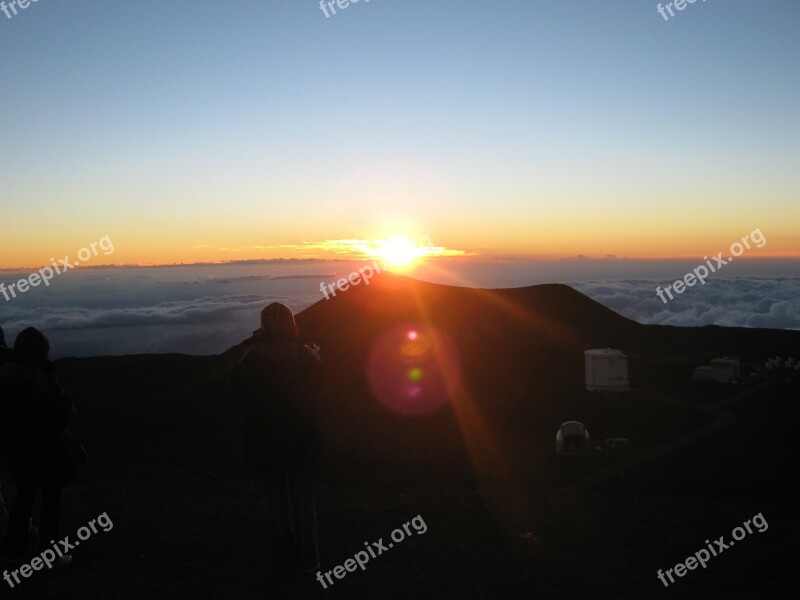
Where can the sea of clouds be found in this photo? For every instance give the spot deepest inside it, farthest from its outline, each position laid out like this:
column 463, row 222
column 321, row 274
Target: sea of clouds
column 739, row 302
column 206, row 309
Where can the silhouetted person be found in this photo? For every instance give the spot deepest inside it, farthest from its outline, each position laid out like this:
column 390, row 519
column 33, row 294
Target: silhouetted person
column 34, row 413
column 277, row 381
column 6, row 354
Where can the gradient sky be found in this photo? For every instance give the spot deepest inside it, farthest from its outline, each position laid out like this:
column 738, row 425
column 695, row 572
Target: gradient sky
column 198, row 130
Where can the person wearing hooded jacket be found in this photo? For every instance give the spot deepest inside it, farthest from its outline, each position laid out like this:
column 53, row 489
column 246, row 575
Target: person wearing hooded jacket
column 277, row 382
column 6, row 355
column 34, row 413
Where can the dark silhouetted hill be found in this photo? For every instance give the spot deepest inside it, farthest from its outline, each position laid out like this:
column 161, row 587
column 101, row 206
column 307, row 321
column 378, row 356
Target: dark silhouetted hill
column 521, row 357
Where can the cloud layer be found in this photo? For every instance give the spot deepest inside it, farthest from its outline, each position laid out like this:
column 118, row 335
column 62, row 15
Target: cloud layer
column 207, row 309
column 740, row 302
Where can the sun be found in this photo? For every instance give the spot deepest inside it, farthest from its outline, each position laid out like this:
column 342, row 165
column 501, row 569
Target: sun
column 398, row 251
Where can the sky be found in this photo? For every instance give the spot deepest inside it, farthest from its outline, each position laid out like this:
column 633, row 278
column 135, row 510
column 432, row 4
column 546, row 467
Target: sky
column 214, row 131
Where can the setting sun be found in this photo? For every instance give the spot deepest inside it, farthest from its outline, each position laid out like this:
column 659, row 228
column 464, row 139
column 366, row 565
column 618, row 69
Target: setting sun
column 398, row 251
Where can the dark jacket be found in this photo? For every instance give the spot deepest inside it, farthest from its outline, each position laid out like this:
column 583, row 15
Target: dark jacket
column 6, row 356
column 34, row 414
column 278, row 382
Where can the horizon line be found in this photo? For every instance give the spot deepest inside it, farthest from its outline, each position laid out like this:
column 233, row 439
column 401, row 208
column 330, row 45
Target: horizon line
column 259, row 261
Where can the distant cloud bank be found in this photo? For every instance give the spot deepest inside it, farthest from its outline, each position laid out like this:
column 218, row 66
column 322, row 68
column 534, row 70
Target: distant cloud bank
column 741, row 302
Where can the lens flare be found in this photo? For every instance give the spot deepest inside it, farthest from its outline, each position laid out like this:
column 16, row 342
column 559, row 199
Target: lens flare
column 414, row 369
column 398, row 251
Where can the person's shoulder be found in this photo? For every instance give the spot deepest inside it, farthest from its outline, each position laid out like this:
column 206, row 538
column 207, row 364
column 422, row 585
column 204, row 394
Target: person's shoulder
column 14, row 370
column 6, row 355
column 272, row 351
column 16, row 373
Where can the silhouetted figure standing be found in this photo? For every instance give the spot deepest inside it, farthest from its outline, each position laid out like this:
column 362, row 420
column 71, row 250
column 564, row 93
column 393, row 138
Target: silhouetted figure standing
column 6, row 353
column 277, row 382
column 34, row 413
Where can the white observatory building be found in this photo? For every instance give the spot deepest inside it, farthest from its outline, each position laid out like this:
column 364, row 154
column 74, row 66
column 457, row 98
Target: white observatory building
column 606, row 370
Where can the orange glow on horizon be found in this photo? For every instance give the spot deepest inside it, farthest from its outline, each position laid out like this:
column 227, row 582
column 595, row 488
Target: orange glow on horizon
column 399, row 247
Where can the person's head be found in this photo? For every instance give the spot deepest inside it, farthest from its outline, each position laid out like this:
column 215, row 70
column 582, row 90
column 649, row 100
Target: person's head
column 2, row 338
column 31, row 346
column 278, row 321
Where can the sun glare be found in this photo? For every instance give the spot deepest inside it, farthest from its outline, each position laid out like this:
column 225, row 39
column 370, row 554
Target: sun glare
column 398, row 251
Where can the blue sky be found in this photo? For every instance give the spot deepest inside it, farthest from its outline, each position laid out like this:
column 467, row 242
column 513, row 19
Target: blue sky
column 596, row 125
